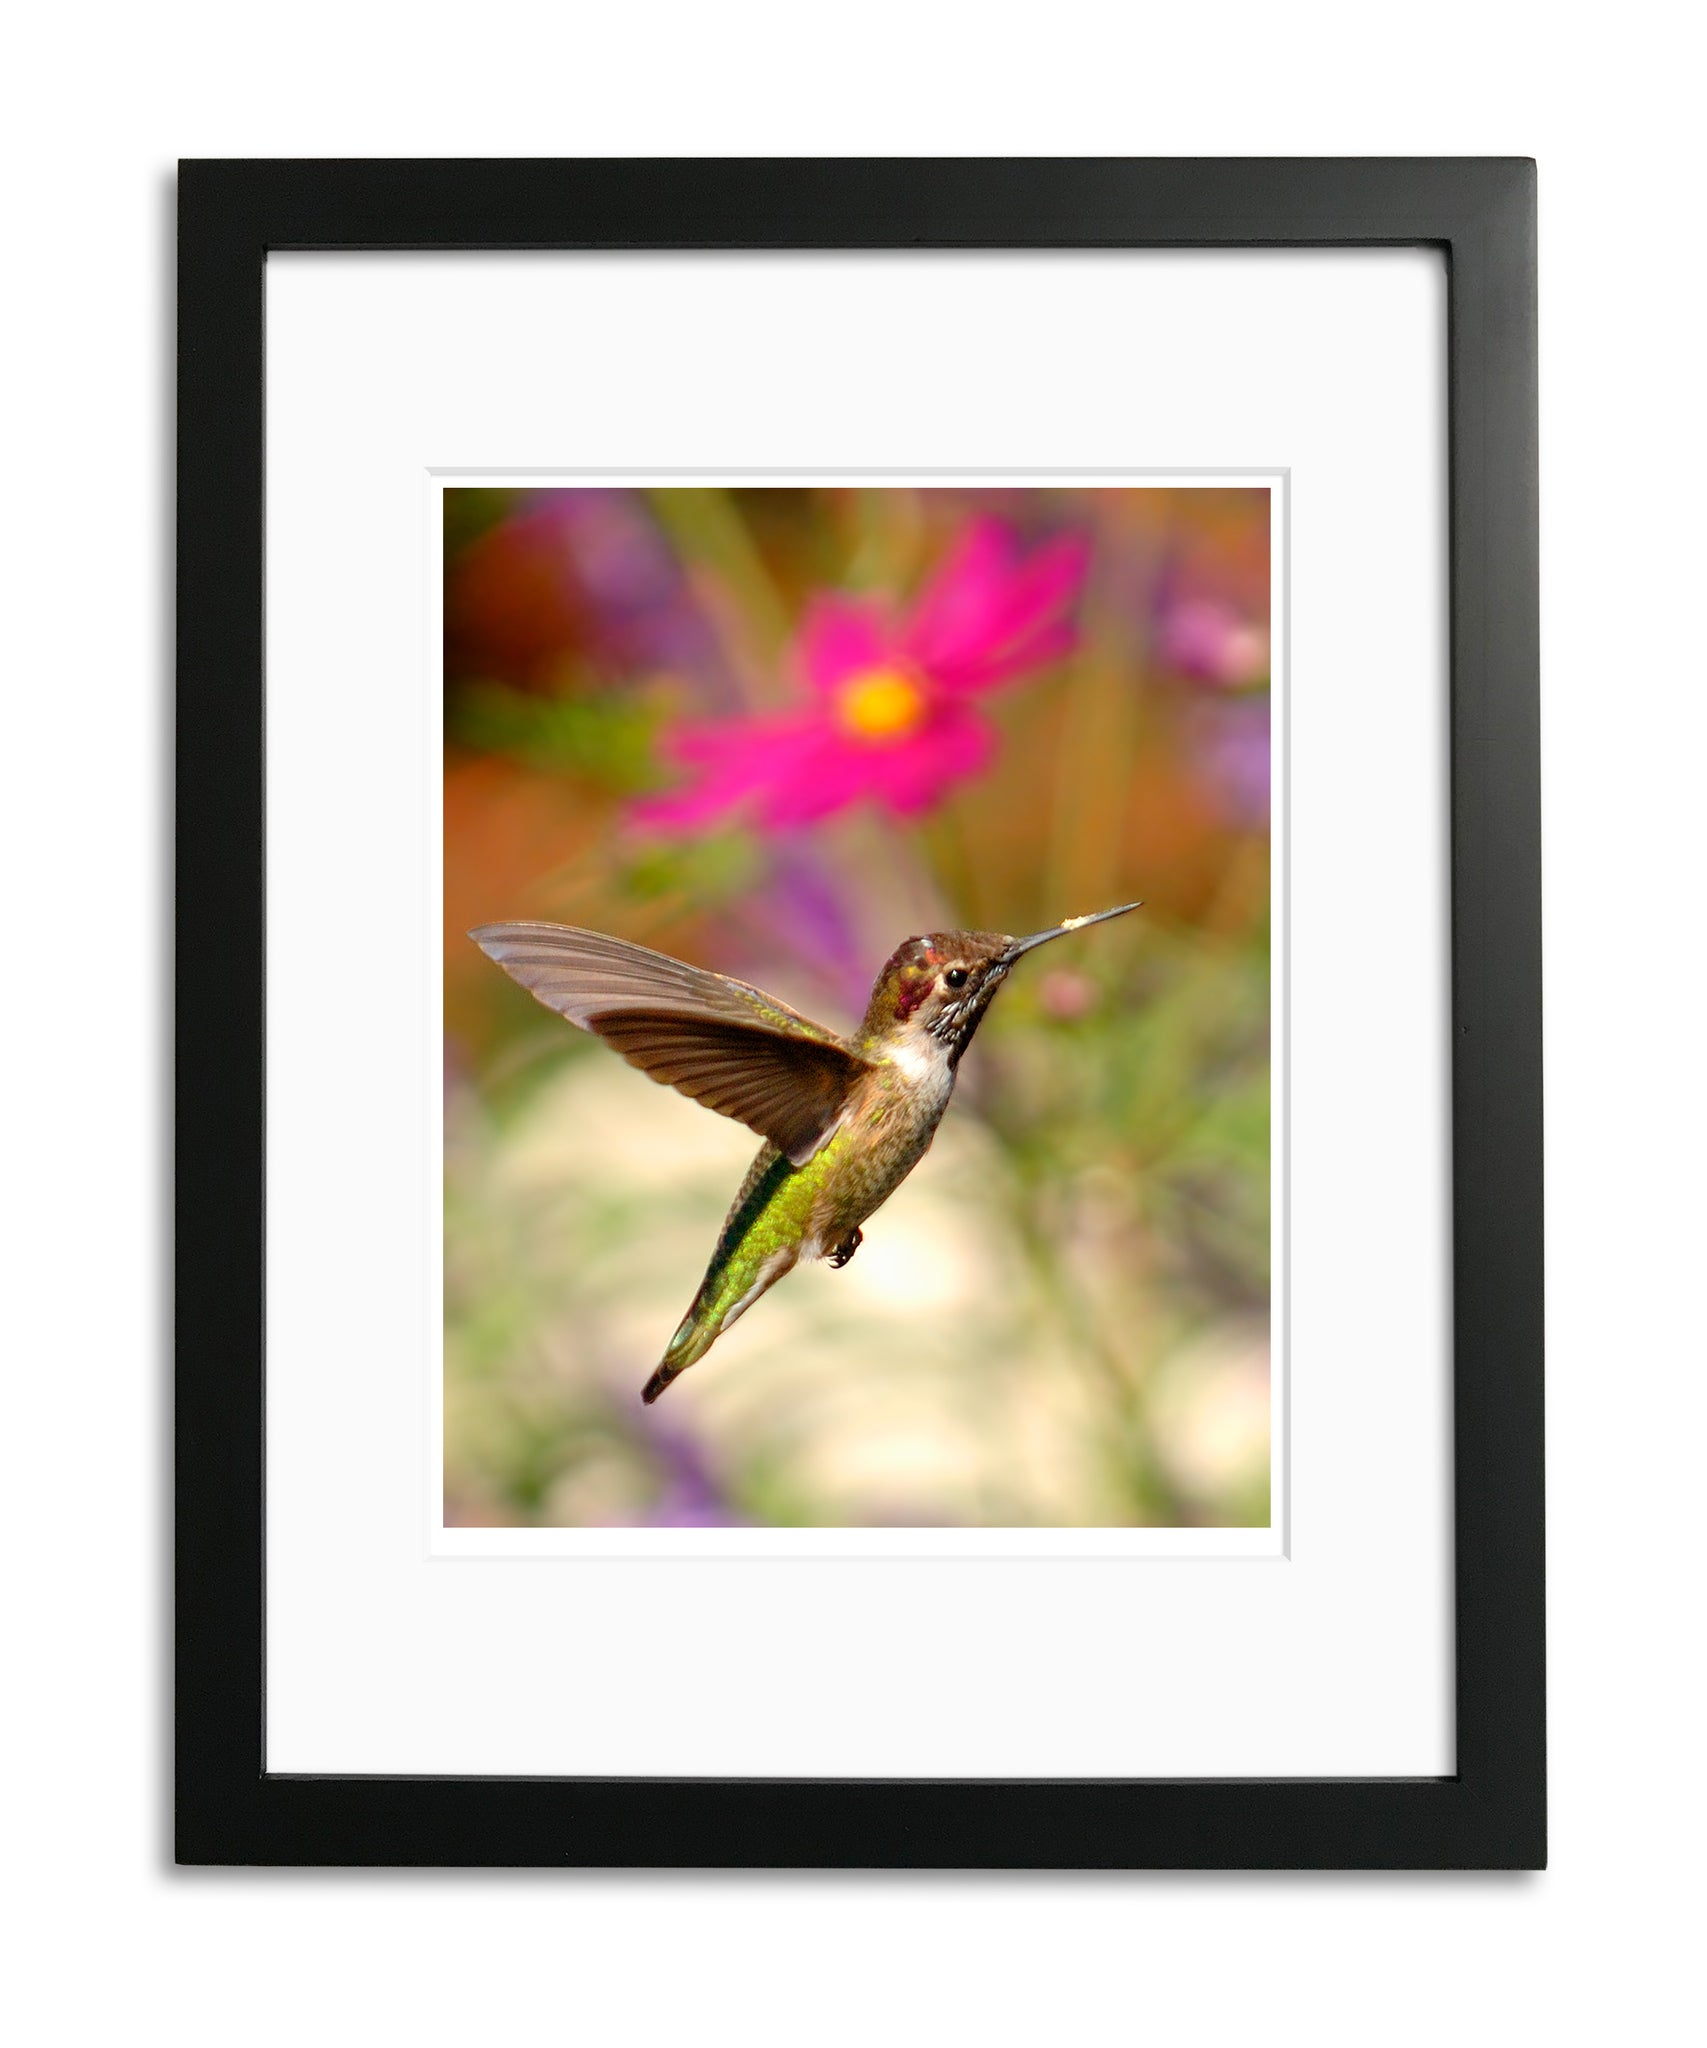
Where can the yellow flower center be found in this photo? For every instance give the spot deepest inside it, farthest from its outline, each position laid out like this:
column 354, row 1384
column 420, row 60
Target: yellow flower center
column 882, row 704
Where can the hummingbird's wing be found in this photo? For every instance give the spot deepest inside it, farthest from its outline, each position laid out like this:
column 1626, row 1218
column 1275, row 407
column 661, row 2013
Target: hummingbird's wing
column 727, row 1045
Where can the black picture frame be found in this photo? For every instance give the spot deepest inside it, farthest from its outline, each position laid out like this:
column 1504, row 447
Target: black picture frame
column 1481, row 213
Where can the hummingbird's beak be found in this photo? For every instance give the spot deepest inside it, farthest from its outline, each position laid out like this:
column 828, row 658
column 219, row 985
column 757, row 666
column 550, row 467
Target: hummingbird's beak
column 1059, row 931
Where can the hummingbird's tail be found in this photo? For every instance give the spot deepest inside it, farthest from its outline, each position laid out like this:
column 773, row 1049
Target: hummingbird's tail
column 691, row 1342
column 726, row 1293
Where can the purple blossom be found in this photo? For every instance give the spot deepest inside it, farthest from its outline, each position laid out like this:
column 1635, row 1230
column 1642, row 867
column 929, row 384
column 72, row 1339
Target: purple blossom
column 646, row 614
column 688, row 1496
column 1234, row 750
column 804, row 909
column 1210, row 642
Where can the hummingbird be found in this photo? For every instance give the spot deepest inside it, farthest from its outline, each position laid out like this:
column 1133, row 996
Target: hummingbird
column 844, row 1119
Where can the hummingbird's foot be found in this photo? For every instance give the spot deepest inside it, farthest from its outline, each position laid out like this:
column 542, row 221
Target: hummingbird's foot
column 846, row 1249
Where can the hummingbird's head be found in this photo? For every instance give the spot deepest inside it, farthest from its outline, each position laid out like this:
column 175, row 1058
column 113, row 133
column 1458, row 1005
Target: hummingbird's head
column 933, row 990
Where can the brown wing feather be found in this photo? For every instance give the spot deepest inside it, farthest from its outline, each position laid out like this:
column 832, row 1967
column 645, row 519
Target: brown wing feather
column 720, row 1041
column 789, row 1090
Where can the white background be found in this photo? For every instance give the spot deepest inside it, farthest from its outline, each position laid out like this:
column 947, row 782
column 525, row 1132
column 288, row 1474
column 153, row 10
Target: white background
column 1334, row 1660
column 106, row 1938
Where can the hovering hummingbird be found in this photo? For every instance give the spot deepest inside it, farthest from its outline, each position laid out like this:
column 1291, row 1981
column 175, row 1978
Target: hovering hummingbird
column 844, row 1120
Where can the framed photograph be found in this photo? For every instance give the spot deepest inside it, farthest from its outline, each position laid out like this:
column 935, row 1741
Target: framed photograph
column 859, row 1095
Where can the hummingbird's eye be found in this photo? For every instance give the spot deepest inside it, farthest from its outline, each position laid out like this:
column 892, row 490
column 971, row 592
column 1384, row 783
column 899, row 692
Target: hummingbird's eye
column 955, row 977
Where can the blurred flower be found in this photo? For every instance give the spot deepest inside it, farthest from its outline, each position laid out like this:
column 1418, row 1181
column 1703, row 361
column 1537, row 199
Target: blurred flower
column 1234, row 748
column 802, row 908
column 689, row 1497
column 1212, row 643
column 647, row 614
column 889, row 712
column 1067, row 995
column 574, row 572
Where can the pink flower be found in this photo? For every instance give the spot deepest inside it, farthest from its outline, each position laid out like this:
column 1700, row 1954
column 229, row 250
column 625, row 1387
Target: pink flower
column 1212, row 643
column 1066, row 994
column 890, row 708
